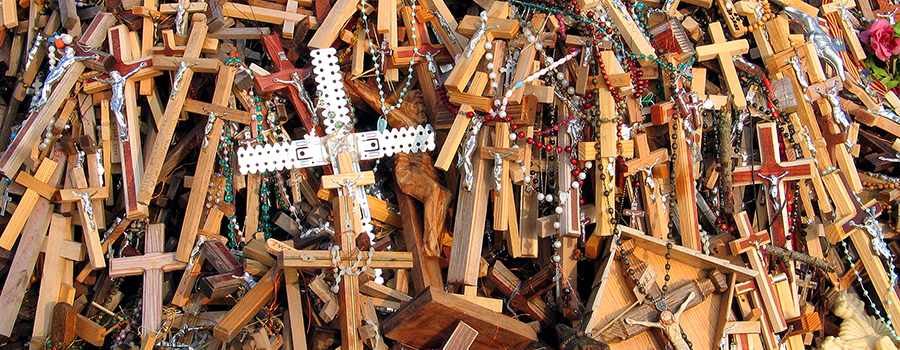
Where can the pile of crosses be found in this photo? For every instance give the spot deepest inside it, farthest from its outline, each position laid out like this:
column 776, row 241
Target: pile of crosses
column 446, row 174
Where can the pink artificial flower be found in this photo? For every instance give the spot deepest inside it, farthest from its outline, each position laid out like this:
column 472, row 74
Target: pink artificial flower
column 881, row 40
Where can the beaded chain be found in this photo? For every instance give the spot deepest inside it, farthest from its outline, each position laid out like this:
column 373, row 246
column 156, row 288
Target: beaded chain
column 374, row 52
column 226, row 154
column 865, row 292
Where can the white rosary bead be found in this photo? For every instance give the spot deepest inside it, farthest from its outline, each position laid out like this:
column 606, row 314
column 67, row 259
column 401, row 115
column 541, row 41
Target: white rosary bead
column 539, row 46
column 492, row 75
column 488, row 45
column 557, row 258
column 495, row 85
column 559, row 210
column 513, row 136
column 556, row 224
column 528, row 178
column 540, row 196
column 488, row 56
column 582, row 176
column 575, row 184
column 588, row 165
column 490, row 66
column 571, row 90
column 66, row 38
column 497, row 102
column 548, row 198
column 557, row 244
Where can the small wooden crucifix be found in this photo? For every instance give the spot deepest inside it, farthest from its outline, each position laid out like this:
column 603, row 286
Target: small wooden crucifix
column 724, row 50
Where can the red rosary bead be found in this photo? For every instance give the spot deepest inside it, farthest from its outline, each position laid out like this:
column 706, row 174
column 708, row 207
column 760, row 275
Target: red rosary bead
column 529, row 140
column 470, row 114
column 573, row 161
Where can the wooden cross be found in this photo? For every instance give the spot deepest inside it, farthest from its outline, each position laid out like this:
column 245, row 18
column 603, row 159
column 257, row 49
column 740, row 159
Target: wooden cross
column 348, row 182
column 35, row 124
column 85, row 196
column 287, row 18
column 444, row 23
column 175, row 103
column 205, row 164
column 36, row 187
column 524, row 295
column 753, row 10
column 749, row 243
column 34, row 233
column 651, row 189
column 182, row 9
column 504, row 157
column 499, row 27
column 465, row 254
column 588, row 151
column 431, row 57
column 882, row 284
column 777, row 173
column 348, row 293
column 57, row 273
column 152, row 265
column 288, row 79
column 130, row 150
column 685, row 191
column 724, row 50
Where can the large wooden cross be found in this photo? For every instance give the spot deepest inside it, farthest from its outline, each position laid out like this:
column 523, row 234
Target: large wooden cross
column 724, row 50
column 182, row 10
column 130, row 149
column 175, row 103
column 152, row 265
column 206, row 161
column 775, row 173
column 497, row 26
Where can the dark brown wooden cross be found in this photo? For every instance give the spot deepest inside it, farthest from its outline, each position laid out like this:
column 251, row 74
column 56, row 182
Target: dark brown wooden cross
column 773, row 173
column 231, row 272
column 884, row 157
column 523, row 295
column 286, row 72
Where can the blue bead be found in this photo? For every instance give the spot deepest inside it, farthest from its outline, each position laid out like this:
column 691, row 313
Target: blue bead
column 519, row 84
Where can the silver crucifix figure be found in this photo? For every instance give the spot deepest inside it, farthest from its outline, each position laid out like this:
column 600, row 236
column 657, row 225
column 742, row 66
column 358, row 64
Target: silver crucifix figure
column 648, row 173
column 57, row 72
column 798, row 72
column 180, row 10
column 774, row 184
column 871, row 226
column 297, row 83
column 498, row 168
column 840, row 117
column 117, row 102
column 179, row 75
column 465, row 159
column 209, row 124
column 476, row 38
column 88, row 208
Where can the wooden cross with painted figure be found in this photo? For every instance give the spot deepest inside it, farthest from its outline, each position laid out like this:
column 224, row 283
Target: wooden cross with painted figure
column 774, row 174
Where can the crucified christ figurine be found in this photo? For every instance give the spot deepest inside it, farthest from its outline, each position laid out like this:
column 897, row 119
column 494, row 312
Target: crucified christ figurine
column 668, row 322
column 182, row 66
column 297, row 83
column 117, row 102
column 57, row 72
column 774, row 183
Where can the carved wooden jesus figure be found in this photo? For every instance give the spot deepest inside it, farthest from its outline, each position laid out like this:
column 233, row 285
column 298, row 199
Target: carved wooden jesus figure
column 415, row 172
column 668, row 322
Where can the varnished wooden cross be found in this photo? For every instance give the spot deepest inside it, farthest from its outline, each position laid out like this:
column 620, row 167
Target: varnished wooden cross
column 750, row 243
column 152, row 265
column 84, row 196
column 287, row 79
column 499, row 27
column 724, row 50
column 774, row 174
